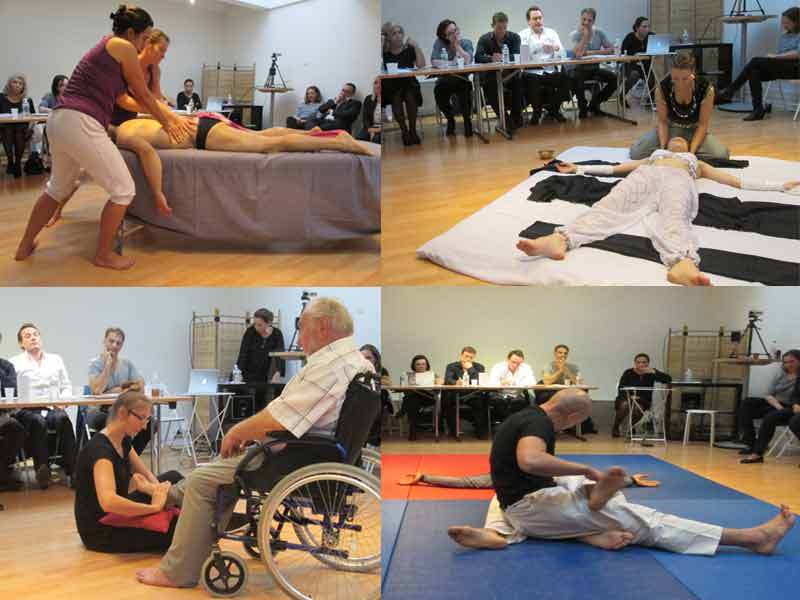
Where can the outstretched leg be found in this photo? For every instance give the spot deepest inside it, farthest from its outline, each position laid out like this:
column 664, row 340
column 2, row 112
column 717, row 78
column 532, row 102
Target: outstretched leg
column 151, row 165
column 229, row 139
column 44, row 208
column 474, row 537
column 764, row 538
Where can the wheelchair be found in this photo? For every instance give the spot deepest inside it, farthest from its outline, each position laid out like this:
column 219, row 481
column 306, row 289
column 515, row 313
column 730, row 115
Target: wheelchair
column 312, row 510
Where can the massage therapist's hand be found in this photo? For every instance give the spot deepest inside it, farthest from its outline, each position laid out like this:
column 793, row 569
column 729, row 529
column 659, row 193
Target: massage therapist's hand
column 179, row 129
column 159, row 497
column 232, row 444
column 566, row 167
column 593, row 474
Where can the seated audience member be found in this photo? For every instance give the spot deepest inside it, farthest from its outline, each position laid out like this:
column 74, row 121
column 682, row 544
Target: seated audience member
column 110, row 373
column 685, row 103
column 780, row 407
column 307, row 110
column 783, row 65
column 449, row 41
column 513, row 372
column 490, row 50
column 547, row 87
column 583, row 503
column 403, row 94
column 589, row 40
column 113, row 480
column 12, row 433
column 641, row 375
column 477, row 401
column 340, row 112
column 310, row 403
column 373, row 355
column 413, row 402
column 45, row 371
column 50, row 99
column 635, row 43
column 188, row 93
column 561, row 372
column 372, row 116
column 15, row 136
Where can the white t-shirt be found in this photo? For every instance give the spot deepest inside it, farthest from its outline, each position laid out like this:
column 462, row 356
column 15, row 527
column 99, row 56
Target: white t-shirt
column 536, row 41
column 50, row 371
column 502, row 375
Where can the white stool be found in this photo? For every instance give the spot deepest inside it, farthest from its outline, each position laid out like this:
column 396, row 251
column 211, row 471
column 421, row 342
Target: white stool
column 687, row 427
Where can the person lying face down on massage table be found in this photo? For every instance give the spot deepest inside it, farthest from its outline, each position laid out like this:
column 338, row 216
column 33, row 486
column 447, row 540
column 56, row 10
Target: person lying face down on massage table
column 663, row 184
column 539, row 495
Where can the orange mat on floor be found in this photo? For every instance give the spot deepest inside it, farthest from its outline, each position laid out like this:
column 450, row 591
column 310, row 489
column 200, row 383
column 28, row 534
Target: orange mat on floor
column 393, row 466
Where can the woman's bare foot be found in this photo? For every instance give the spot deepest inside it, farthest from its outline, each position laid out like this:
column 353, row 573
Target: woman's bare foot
column 25, row 249
column 768, row 535
column 552, row 246
column 472, row 537
column 114, row 261
column 162, row 206
column 609, row 484
column 609, row 540
column 410, row 479
column 154, row 577
column 686, row 272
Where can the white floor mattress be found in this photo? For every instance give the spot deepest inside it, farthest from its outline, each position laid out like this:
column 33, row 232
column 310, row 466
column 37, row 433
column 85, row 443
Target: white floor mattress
column 483, row 245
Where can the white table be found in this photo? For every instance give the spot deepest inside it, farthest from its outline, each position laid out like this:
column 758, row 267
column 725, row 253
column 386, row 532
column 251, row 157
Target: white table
column 272, row 91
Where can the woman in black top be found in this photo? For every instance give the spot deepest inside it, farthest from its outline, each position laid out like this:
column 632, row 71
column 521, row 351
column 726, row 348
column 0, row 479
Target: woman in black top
column 685, row 104
column 413, row 402
column 15, row 136
column 111, row 478
column 371, row 115
column 258, row 341
column 404, row 93
column 641, row 375
column 373, row 355
column 634, row 43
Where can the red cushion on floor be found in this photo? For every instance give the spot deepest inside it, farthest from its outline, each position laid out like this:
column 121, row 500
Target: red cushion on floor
column 158, row 522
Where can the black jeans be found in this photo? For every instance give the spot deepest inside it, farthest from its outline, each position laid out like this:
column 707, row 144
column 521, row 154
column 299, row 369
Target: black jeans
column 119, row 540
column 12, row 436
column 759, row 408
column 546, row 90
column 479, row 406
column 762, row 69
column 413, row 404
column 14, row 138
column 38, row 446
column 581, row 74
column 449, row 86
column 514, row 86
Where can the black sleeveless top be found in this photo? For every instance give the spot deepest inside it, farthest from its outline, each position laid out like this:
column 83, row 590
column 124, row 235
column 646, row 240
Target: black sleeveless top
column 685, row 114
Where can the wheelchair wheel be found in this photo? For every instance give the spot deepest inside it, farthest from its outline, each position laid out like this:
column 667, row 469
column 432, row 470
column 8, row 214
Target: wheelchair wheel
column 319, row 533
column 224, row 574
column 371, row 462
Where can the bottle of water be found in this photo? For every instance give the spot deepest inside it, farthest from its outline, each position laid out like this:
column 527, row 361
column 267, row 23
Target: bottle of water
column 26, row 111
column 190, row 106
column 236, row 374
column 506, row 54
column 685, row 37
column 444, row 57
column 617, row 47
column 402, row 379
column 465, row 378
column 688, row 375
column 230, row 99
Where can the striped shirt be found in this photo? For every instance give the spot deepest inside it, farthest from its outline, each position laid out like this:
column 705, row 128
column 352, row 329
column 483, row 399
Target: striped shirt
column 312, row 400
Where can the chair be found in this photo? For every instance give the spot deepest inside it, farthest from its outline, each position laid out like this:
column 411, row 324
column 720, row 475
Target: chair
column 687, row 428
column 783, row 98
column 311, row 499
column 653, row 416
column 783, row 441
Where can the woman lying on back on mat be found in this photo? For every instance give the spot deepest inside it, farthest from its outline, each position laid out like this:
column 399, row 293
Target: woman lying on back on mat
column 663, row 184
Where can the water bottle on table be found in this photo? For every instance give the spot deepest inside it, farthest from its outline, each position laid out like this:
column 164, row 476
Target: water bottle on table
column 506, row 54
column 26, row 111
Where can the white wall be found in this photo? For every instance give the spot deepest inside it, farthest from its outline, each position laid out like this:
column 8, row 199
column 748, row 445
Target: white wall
column 604, row 327
column 421, row 17
column 762, row 39
column 42, row 38
column 324, row 43
column 157, row 321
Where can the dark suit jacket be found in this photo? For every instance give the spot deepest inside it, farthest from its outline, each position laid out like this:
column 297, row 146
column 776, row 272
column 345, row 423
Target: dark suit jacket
column 344, row 115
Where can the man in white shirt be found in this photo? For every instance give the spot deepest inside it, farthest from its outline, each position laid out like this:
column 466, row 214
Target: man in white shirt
column 547, row 87
column 310, row 403
column 512, row 372
column 45, row 371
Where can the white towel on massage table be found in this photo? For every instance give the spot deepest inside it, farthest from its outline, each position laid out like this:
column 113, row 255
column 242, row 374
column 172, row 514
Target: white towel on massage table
column 483, row 245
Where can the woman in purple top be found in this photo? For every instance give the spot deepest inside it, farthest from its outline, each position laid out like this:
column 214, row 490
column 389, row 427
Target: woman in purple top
column 78, row 138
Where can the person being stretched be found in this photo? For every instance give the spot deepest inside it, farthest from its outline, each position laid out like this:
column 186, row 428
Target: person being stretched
column 483, row 481
column 539, row 495
column 664, row 185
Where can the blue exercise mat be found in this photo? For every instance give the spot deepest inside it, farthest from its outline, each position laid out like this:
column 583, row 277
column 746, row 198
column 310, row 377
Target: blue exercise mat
column 392, row 512
column 425, row 563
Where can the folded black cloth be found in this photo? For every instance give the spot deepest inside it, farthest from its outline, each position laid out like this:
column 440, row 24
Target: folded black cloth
column 766, row 218
column 717, row 262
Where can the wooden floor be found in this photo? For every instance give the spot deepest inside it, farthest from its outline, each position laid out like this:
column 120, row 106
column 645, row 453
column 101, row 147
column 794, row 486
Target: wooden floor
column 428, row 189
column 164, row 258
column 777, row 481
column 43, row 558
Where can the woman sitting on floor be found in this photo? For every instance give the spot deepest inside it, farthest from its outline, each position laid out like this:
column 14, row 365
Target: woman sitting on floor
column 663, row 184
column 112, row 479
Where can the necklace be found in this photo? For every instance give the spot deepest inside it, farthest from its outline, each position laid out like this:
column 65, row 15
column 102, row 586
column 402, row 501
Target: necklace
column 678, row 108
